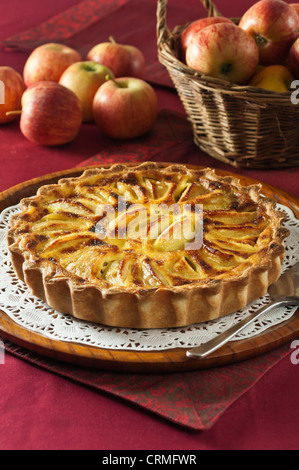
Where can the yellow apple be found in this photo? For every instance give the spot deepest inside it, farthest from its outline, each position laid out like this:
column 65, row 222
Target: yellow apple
column 273, row 77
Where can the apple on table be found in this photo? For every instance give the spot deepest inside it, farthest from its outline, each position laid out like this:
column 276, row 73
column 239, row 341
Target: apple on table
column 274, row 25
column 84, row 78
column 125, row 108
column 12, row 89
column 124, row 60
column 223, row 51
column 50, row 115
column 48, row 62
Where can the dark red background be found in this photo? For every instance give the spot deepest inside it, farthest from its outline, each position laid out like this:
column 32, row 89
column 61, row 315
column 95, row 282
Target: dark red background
column 41, row 410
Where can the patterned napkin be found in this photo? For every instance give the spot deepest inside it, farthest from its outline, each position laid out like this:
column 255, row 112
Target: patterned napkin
column 63, row 26
column 92, row 21
column 194, row 400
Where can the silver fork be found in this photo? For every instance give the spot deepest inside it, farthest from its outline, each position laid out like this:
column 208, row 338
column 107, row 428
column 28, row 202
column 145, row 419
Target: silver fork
column 285, row 291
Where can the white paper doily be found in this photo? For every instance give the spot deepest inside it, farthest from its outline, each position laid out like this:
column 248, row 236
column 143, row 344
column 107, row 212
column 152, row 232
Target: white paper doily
column 35, row 315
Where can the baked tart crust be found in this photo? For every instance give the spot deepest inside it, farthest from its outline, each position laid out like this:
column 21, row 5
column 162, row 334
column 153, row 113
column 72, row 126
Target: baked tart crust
column 132, row 271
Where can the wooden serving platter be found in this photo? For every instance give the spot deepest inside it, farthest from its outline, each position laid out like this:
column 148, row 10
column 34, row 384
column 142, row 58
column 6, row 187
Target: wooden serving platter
column 172, row 360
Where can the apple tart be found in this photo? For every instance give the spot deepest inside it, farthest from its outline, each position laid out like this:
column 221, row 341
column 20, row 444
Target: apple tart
column 148, row 246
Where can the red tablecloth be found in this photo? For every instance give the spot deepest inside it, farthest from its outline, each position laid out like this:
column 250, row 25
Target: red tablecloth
column 43, row 410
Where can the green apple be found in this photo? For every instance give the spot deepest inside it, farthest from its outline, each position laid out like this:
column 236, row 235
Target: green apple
column 84, row 79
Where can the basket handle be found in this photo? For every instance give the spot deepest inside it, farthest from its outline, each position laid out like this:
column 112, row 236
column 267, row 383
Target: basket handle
column 212, row 9
column 163, row 31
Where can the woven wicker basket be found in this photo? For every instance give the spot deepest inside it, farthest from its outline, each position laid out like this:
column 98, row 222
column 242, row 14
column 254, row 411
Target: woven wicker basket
column 244, row 126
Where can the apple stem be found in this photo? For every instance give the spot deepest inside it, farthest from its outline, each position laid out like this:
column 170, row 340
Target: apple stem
column 9, row 113
column 114, row 81
column 260, row 40
column 226, row 68
column 111, row 39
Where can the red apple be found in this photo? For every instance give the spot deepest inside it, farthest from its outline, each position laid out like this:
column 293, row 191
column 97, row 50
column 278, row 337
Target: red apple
column 295, row 6
column 293, row 58
column 84, row 79
column 196, row 26
column 274, row 25
column 48, row 62
column 11, row 90
column 51, row 114
column 223, row 51
column 125, row 108
column 123, row 60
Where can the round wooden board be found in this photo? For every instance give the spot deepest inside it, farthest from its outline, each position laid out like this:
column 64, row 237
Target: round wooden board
column 171, row 360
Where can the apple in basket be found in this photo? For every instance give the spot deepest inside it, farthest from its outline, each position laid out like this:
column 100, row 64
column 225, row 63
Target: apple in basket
column 293, row 58
column 273, row 77
column 84, row 79
column 51, row 114
column 274, row 25
column 295, row 6
column 123, row 60
column 125, row 107
column 223, row 51
column 48, row 62
column 12, row 88
column 194, row 27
